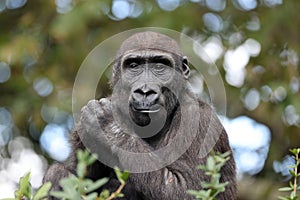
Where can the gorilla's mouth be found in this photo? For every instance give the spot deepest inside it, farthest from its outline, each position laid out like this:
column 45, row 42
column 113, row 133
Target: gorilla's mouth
column 145, row 107
column 143, row 114
column 153, row 109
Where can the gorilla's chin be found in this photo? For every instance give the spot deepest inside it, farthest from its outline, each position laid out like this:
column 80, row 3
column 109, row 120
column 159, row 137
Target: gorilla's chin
column 141, row 116
column 141, row 119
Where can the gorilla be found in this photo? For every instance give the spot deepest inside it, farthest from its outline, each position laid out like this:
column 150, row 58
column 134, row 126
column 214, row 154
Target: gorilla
column 152, row 125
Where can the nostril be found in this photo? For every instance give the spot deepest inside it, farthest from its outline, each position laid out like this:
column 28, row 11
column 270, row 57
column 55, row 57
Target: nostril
column 145, row 93
column 150, row 92
column 139, row 91
column 138, row 95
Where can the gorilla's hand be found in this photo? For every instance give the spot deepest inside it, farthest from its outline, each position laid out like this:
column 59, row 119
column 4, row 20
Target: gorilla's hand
column 97, row 113
column 96, row 121
column 104, row 113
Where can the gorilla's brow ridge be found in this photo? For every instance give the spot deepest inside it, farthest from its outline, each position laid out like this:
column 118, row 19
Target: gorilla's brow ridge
column 152, row 56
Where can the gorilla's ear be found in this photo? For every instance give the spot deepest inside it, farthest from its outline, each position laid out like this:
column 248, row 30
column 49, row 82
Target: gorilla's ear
column 185, row 67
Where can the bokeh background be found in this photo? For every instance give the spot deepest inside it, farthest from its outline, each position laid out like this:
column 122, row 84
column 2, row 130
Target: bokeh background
column 254, row 43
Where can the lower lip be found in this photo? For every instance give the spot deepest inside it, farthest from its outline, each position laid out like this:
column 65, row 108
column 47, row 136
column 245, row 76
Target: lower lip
column 146, row 111
column 149, row 111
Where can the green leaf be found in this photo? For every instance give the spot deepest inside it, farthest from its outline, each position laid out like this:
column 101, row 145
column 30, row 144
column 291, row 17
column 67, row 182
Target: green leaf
column 80, row 155
column 210, row 163
column 85, row 183
column 283, row 198
column 291, row 184
column 91, row 196
column 193, row 192
column 59, row 194
column 42, row 191
column 25, row 181
column 226, row 154
column 97, row 185
column 295, row 151
column 104, row 194
column 206, row 185
column 285, row 189
column 91, row 159
column 293, row 196
column 117, row 171
column 70, row 187
column 119, row 195
column 25, row 187
column 81, row 169
column 122, row 176
column 202, row 167
column 292, row 173
column 222, row 186
column 125, row 176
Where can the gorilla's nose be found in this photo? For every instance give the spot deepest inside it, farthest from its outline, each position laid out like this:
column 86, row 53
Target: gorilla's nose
column 144, row 98
column 145, row 95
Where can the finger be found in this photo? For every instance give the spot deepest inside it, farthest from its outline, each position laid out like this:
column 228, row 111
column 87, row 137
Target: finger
column 91, row 111
column 105, row 103
column 93, row 104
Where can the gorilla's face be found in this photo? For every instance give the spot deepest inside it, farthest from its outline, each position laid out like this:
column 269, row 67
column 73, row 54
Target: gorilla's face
column 148, row 74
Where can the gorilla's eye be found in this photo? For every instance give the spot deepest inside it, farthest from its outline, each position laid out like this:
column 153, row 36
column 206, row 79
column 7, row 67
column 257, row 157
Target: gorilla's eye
column 132, row 63
column 159, row 67
column 162, row 61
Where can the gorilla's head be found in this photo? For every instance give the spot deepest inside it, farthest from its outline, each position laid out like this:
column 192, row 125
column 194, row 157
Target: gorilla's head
column 151, row 68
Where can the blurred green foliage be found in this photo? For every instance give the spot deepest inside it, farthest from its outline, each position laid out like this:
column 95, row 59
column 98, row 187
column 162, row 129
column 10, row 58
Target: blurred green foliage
column 25, row 190
column 80, row 187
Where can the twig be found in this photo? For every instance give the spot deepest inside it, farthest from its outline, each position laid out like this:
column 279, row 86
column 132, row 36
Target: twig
column 118, row 191
column 295, row 178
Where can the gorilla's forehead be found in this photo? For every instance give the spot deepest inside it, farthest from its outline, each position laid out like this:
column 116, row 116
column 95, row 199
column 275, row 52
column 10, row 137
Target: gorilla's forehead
column 150, row 40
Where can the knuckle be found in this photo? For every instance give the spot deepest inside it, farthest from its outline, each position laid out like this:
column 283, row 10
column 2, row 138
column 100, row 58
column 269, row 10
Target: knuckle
column 103, row 101
column 91, row 108
column 84, row 109
column 92, row 103
column 105, row 104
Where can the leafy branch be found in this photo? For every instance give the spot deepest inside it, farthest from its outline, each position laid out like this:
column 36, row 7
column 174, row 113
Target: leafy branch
column 25, row 190
column 293, row 185
column 79, row 187
column 213, row 166
column 122, row 177
column 73, row 187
